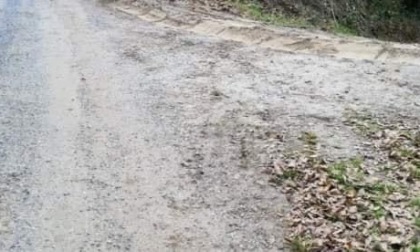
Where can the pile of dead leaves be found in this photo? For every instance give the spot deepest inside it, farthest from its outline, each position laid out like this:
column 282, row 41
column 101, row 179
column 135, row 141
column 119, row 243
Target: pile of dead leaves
column 355, row 205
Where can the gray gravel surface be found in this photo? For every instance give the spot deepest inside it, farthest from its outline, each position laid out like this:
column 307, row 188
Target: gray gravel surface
column 120, row 135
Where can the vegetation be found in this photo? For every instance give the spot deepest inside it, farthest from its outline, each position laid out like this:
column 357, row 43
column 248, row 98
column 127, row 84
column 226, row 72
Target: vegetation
column 256, row 10
column 397, row 20
column 355, row 204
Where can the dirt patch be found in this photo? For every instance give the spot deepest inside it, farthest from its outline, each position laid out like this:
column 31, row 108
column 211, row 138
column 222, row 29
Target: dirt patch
column 242, row 107
column 285, row 39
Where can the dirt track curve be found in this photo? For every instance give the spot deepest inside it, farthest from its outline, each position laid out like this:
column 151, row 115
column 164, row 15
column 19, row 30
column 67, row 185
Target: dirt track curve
column 127, row 134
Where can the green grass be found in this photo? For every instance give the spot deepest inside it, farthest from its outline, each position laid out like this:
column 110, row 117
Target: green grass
column 378, row 209
column 415, row 172
column 407, row 153
column 383, row 188
column 345, row 30
column 356, row 162
column 415, row 203
column 378, row 212
column 416, row 248
column 255, row 10
column 416, row 139
column 417, row 222
column 298, row 244
column 339, row 171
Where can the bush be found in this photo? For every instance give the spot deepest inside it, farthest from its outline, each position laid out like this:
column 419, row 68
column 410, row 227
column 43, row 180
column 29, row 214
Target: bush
column 397, row 20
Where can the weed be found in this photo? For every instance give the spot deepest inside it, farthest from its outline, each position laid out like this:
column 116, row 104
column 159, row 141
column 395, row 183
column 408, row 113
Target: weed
column 363, row 122
column 342, row 29
column 340, row 170
column 417, row 222
column 378, row 212
column 414, row 172
column 415, row 248
column 255, row 10
column 337, row 171
column 415, row 203
column 356, row 162
column 375, row 231
column 299, row 244
column 416, row 139
column 383, row 188
column 309, row 138
column 406, row 153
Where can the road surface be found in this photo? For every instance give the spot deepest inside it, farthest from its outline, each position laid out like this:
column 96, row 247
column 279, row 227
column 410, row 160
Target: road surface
column 96, row 152
column 121, row 135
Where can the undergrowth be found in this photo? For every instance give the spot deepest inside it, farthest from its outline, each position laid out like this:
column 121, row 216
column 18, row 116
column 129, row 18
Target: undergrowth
column 395, row 20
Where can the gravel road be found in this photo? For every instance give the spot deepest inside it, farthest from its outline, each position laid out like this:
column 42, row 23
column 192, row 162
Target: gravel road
column 121, row 135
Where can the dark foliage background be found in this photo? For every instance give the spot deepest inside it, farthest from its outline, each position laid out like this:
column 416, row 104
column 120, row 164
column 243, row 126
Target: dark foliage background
column 397, row 20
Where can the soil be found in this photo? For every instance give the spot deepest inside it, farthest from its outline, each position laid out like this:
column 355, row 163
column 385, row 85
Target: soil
column 133, row 128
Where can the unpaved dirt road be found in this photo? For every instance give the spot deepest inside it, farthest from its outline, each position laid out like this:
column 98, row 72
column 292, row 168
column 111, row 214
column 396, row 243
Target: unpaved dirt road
column 117, row 134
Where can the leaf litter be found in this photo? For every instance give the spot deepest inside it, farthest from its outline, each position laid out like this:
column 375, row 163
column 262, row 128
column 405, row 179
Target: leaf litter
column 355, row 204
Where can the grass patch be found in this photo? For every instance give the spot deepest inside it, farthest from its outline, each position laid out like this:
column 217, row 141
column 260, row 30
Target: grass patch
column 364, row 123
column 255, row 10
column 378, row 212
column 415, row 173
column 417, row 222
column 415, row 248
column 299, row 244
column 415, row 203
column 382, row 188
column 341, row 170
column 338, row 172
column 405, row 153
column 383, row 19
